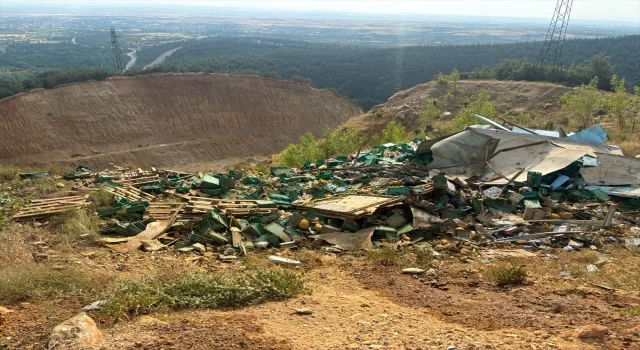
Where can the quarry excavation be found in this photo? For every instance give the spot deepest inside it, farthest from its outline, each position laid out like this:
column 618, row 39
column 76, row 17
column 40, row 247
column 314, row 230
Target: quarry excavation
column 156, row 120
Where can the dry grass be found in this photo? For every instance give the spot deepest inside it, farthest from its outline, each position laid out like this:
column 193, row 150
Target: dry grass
column 78, row 226
column 619, row 272
column 200, row 291
column 8, row 172
column 101, row 199
column 32, row 281
column 24, row 279
column 45, row 186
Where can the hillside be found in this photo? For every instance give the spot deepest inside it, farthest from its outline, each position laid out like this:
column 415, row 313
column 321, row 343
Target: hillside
column 512, row 99
column 530, row 104
column 163, row 120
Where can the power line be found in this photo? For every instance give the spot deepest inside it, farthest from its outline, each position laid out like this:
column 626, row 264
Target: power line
column 117, row 53
column 553, row 46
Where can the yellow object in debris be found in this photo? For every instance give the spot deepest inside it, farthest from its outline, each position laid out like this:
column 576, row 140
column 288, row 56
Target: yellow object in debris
column 303, row 224
column 553, row 216
column 566, row 215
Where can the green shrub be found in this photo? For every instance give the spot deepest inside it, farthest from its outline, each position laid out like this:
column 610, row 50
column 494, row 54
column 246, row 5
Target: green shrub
column 505, row 275
column 481, row 105
column 341, row 141
column 441, row 79
column 393, row 133
column 307, row 149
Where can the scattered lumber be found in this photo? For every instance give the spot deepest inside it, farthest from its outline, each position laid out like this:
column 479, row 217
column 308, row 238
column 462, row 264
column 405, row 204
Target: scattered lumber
column 43, row 208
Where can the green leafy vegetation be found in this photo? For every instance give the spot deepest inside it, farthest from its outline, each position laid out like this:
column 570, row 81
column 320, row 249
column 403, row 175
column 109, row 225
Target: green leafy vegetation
column 340, row 141
column 394, row 132
column 307, row 149
column 200, row 291
column 584, row 103
column 618, row 102
column 481, row 105
column 430, row 112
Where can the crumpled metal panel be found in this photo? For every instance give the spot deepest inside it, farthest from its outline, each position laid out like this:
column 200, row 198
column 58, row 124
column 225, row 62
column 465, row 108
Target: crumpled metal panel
column 463, row 153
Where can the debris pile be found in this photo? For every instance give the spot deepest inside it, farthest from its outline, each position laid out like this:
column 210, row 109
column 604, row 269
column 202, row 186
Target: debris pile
column 481, row 186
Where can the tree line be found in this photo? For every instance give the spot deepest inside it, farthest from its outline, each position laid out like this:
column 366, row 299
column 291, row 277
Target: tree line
column 370, row 75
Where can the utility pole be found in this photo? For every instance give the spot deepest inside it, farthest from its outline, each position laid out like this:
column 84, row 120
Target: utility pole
column 551, row 52
column 117, row 53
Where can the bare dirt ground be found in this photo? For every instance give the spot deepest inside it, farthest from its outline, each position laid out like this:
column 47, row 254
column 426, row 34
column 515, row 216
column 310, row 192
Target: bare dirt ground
column 356, row 303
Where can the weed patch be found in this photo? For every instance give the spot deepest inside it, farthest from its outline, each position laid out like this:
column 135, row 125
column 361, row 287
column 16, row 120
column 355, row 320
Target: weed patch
column 101, row 199
column 386, row 256
column 79, row 225
column 507, row 275
column 630, row 311
column 36, row 282
column 8, row 172
column 45, row 186
column 202, row 291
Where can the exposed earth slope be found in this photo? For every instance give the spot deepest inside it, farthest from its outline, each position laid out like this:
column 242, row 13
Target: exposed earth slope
column 161, row 120
column 513, row 99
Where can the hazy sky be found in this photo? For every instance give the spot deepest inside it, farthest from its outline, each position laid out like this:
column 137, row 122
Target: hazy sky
column 609, row 10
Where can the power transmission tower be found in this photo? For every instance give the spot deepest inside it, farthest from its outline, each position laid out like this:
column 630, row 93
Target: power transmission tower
column 117, row 54
column 551, row 52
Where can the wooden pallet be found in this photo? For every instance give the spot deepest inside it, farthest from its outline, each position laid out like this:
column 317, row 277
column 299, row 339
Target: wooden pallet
column 131, row 193
column 130, row 175
column 139, row 181
column 162, row 211
column 226, row 206
column 43, row 208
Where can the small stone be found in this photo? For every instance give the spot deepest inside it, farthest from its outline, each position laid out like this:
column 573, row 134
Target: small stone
column 229, row 251
column 199, row 247
column 413, row 271
column 148, row 320
column 94, row 306
column 4, row 310
column 553, row 216
column 152, row 245
column 591, row 331
column 304, row 311
column 451, row 347
column 37, row 224
column 78, row 332
column 278, row 260
column 59, row 185
column 261, row 245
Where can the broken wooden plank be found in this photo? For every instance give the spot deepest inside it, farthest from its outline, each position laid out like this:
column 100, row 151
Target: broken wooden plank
column 154, row 230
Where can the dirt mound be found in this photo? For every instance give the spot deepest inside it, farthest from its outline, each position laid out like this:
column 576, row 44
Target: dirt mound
column 167, row 119
column 513, row 99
